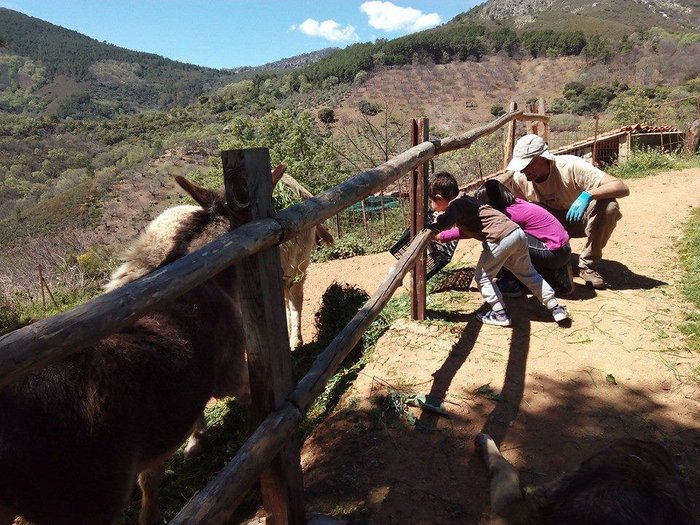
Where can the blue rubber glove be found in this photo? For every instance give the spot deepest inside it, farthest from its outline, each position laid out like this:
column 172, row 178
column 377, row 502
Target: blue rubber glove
column 578, row 208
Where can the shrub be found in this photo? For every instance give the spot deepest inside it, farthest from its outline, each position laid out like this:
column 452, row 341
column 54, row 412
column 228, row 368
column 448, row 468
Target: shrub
column 326, row 115
column 559, row 105
column 497, row 111
column 368, row 108
column 9, row 313
column 573, row 90
column 360, row 77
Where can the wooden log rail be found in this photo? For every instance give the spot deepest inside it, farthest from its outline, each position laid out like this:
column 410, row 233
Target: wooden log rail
column 216, row 503
column 41, row 343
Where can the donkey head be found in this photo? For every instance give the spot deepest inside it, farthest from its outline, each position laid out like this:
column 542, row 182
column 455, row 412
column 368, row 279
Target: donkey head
column 174, row 233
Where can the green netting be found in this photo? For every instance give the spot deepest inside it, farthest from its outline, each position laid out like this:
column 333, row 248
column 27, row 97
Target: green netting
column 373, row 204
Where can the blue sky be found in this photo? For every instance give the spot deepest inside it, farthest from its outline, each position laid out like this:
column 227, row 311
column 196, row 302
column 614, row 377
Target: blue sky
column 232, row 33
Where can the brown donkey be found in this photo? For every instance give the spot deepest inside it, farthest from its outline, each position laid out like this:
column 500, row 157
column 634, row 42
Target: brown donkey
column 75, row 435
column 632, row 482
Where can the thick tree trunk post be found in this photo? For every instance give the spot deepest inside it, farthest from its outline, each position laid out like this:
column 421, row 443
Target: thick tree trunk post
column 419, row 205
column 545, row 123
column 249, row 197
column 510, row 137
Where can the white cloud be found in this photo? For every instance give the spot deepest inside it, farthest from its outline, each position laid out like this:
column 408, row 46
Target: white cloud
column 390, row 17
column 328, row 29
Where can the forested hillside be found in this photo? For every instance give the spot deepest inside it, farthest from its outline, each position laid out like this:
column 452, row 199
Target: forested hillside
column 82, row 147
column 50, row 69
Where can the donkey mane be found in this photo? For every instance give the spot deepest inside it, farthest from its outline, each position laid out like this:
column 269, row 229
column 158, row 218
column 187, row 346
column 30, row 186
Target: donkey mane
column 170, row 236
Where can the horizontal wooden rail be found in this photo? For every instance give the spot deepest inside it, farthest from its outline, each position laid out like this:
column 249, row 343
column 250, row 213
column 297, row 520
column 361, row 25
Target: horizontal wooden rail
column 534, row 117
column 216, row 503
column 45, row 341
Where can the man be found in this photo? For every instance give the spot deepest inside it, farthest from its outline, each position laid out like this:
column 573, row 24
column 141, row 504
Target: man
column 577, row 193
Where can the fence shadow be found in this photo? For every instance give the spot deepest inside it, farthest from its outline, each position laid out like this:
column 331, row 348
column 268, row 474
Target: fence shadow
column 377, row 466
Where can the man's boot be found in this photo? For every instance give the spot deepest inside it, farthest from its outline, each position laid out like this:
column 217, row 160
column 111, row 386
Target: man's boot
column 592, row 277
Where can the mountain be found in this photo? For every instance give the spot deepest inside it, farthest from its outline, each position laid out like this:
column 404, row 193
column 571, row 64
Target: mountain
column 609, row 17
column 295, row 62
column 60, row 70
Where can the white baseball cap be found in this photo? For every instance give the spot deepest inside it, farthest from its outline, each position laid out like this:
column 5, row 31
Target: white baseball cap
column 527, row 148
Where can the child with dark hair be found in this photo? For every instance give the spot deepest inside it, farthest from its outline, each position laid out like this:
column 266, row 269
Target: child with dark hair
column 548, row 241
column 504, row 243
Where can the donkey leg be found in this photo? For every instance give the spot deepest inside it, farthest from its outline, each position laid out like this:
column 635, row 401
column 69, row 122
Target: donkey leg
column 193, row 448
column 149, row 480
column 295, row 304
column 505, row 481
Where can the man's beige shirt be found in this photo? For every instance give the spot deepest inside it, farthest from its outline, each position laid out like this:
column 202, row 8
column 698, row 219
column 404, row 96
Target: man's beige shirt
column 569, row 175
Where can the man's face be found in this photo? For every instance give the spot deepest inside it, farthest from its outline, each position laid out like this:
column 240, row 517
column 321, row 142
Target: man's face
column 537, row 170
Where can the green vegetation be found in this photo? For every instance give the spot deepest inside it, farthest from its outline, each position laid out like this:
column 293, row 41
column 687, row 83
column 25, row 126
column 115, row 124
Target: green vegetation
column 690, row 259
column 648, row 162
column 134, row 79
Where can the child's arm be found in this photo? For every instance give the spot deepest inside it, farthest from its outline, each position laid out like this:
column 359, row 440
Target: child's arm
column 452, row 234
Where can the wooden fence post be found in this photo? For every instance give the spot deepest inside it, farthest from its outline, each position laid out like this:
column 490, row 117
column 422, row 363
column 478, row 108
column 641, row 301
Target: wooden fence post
column 249, row 196
column 545, row 124
column 510, row 137
column 419, row 204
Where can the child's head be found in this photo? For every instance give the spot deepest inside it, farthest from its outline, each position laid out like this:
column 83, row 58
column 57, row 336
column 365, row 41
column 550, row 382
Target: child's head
column 495, row 194
column 442, row 189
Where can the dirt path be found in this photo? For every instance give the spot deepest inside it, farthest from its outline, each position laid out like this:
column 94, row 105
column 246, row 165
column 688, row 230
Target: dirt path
column 560, row 394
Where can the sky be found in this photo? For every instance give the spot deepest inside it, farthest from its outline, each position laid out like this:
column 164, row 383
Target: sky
column 234, row 33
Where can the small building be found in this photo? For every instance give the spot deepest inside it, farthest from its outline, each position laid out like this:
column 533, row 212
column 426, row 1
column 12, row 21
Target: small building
column 611, row 146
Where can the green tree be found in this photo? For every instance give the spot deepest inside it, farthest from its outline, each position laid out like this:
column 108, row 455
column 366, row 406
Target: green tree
column 292, row 138
column 633, row 107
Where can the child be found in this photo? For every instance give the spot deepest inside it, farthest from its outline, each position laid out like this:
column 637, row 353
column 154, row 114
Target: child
column 548, row 241
column 504, row 242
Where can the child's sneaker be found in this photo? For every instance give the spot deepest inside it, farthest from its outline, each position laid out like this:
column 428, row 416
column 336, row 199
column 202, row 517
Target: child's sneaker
column 500, row 318
column 559, row 313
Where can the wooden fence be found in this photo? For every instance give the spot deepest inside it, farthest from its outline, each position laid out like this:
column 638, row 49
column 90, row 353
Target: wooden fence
column 271, row 454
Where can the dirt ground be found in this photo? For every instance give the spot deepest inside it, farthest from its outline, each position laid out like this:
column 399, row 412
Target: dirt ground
column 555, row 395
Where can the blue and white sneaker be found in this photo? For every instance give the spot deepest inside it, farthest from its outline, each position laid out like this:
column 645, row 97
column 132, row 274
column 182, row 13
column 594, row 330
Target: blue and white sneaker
column 559, row 313
column 500, row 318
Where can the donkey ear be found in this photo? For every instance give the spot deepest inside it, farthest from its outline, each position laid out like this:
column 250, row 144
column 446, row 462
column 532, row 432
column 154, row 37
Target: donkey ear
column 277, row 174
column 206, row 198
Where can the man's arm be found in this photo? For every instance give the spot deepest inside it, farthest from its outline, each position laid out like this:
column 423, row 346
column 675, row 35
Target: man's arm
column 610, row 188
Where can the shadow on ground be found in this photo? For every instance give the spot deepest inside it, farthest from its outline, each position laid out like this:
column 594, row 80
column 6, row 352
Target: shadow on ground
column 380, row 465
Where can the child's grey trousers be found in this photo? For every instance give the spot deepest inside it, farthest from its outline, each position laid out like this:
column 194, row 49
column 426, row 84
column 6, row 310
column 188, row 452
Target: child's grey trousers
column 511, row 252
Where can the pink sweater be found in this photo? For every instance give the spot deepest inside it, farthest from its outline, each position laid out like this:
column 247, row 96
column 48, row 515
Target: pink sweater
column 533, row 219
